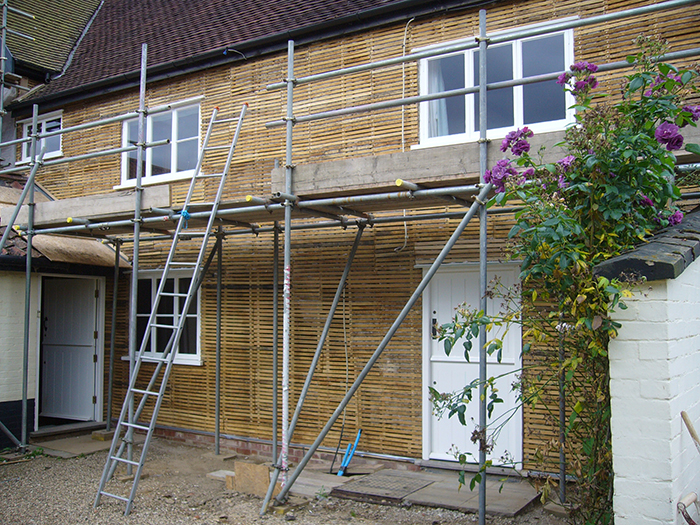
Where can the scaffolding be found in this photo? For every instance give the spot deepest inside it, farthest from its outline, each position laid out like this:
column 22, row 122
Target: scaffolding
column 284, row 212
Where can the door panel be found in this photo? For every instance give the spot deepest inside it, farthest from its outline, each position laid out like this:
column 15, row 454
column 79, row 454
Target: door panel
column 443, row 437
column 68, row 373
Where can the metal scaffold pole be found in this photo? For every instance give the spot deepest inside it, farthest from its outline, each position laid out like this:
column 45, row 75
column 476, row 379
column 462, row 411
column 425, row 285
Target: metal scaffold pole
column 133, row 342
column 483, row 271
column 275, row 333
column 217, row 408
column 287, row 285
column 28, row 283
column 112, row 335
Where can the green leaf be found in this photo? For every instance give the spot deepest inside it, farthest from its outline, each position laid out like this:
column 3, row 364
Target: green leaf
column 636, row 83
column 467, row 348
column 692, row 148
column 448, row 346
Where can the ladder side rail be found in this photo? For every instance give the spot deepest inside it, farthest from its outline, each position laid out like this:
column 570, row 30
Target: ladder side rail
column 219, row 193
column 202, row 152
column 178, row 229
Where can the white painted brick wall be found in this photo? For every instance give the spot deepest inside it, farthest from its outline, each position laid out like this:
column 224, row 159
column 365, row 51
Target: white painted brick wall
column 12, row 292
column 654, row 375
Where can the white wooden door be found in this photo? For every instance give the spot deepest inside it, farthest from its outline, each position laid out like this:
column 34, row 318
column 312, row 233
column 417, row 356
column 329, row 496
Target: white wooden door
column 69, row 368
column 443, row 437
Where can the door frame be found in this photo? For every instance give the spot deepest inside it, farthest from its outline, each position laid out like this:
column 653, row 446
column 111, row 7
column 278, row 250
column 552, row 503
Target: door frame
column 100, row 283
column 426, row 313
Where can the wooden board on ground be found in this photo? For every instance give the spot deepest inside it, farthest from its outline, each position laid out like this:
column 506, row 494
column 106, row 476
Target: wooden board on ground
column 251, row 478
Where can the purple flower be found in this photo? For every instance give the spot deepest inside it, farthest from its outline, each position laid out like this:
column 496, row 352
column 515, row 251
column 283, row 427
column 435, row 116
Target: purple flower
column 675, row 218
column 566, row 162
column 562, row 183
column 694, row 112
column 646, row 201
column 520, row 147
column 667, row 133
column 563, row 78
column 516, row 141
column 498, row 175
column 581, row 67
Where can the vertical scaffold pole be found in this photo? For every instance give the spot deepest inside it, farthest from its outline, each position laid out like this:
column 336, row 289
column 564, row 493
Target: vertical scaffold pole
column 28, row 284
column 483, row 271
column 287, row 261
column 113, row 331
column 275, row 333
column 217, row 407
column 137, row 233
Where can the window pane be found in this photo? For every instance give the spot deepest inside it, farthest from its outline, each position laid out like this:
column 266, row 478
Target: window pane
column 446, row 116
column 132, row 129
column 141, row 324
column 499, row 102
column 543, row 101
column 163, row 334
column 165, row 306
column 188, row 123
column 184, row 285
column 144, row 302
column 162, row 127
column 187, row 155
column 53, row 144
column 188, row 338
column 160, row 160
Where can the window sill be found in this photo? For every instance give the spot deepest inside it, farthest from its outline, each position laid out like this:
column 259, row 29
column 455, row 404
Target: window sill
column 153, row 181
column 180, row 360
column 47, row 156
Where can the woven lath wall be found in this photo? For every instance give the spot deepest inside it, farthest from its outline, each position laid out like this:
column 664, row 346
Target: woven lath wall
column 388, row 406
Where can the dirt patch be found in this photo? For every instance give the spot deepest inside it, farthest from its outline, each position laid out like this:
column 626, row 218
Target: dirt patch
column 176, row 490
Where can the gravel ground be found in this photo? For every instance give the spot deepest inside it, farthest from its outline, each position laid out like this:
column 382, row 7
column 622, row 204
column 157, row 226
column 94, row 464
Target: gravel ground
column 52, row 491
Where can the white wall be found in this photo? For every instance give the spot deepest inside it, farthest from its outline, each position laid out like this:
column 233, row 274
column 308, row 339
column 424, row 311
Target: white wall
column 12, row 292
column 654, row 375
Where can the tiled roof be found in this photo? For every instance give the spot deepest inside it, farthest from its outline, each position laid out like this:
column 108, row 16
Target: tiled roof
column 56, row 27
column 188, row 31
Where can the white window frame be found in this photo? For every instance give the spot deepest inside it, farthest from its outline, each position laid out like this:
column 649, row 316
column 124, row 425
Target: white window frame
column 147, row 176
column 471, row 134
column 42, row 121
column 155, row 276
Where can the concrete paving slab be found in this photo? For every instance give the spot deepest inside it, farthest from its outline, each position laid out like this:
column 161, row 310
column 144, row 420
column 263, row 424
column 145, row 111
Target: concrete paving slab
column 74, row 446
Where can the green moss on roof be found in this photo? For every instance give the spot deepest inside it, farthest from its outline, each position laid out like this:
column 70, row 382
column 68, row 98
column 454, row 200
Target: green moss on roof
column 56, row 27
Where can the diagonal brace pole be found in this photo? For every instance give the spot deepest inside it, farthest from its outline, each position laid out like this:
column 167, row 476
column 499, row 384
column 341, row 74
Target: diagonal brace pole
column 317, row 356
column 483, row 195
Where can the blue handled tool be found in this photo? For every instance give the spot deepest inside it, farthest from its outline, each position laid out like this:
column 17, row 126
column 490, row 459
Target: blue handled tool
column 349, row 452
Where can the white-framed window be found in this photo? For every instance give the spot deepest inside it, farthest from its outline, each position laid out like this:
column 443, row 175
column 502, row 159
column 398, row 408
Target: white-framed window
column 181, row 126
column 169, row 313
column 543, row 106
column 45, row 124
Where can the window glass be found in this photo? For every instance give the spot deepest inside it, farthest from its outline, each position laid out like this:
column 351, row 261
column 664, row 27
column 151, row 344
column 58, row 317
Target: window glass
column 447, row 115
column 544, row 104
column 499, row 102
column 169, row 311
column 51, row 144
column 543, row 101
column 181, row 128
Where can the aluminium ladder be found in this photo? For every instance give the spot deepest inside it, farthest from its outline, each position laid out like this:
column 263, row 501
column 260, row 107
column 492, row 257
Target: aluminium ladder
column 155, row 391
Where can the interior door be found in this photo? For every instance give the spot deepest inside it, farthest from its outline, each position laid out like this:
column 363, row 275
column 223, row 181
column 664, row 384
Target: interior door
column 444, row 437
column 68, row 348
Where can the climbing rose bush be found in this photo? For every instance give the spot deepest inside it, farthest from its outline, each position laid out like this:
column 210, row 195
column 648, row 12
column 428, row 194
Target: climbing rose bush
column 612, row 189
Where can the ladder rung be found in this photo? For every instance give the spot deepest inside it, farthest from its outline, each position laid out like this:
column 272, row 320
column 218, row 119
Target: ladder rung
column 169, row 326
column 183, row 263
column 134, row 425
column 213, row 148
column 173, row 294
column 117, row 458
column 223, row 120
column 153, row 359
column 209, row 175
column 145, row 392
column 114, row 496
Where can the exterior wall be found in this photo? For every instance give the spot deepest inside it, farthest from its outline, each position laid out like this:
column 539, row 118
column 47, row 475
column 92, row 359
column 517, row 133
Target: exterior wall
column 12, row 291
column 654, row 375
column 388, row 406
